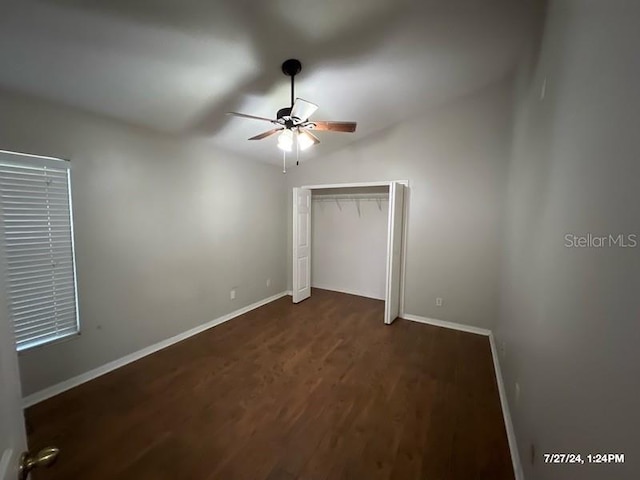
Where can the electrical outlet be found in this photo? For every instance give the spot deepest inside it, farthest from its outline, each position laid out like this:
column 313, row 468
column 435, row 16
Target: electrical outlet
column 517, row 391
column 503, row 348
column 268, row 282
column 232, row 294
column 438, row 301
column 543, row 89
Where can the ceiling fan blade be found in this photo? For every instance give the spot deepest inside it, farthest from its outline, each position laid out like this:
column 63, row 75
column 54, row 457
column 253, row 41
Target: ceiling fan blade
column 266, row 134
column 302, row 110
column 253, row 117
column 322, row 126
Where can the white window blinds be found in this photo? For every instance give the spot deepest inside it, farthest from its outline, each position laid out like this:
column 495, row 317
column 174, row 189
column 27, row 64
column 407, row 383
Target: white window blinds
column 37, row 241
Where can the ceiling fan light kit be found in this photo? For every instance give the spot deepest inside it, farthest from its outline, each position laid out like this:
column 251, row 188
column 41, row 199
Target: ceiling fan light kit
column 306, row 140
column 285, row 140
column 293, row 122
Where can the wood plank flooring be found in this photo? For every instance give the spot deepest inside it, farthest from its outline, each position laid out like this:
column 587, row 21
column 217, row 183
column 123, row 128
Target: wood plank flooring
column 318, row 390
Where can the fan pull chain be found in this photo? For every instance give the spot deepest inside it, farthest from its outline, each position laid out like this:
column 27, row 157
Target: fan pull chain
column 297, row 147
column 284, row 162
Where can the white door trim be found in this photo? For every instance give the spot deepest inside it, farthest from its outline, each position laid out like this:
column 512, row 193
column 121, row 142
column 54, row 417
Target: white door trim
column 382, row 183
column 13, row 438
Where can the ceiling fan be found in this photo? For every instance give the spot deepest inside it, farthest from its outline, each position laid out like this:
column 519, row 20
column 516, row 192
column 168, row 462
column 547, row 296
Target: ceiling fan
column 293, row 122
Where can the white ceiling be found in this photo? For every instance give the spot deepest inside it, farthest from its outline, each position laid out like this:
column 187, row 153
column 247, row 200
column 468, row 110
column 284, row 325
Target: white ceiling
column 178, row 66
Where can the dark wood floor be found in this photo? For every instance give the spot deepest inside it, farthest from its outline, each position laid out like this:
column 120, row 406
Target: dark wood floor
column 319, row 390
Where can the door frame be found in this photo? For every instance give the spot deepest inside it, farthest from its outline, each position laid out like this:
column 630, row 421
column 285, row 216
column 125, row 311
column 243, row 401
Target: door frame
column 12, row 427
column 405, row 218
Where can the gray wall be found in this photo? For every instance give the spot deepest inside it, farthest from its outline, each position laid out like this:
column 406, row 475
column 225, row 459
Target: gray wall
column 349, row 247
column 455, row 158
column 163, row 231
column 570, row 316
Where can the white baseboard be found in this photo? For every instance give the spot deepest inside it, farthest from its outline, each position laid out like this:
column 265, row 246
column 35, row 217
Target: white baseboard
column 511, row 434
column 132, row 357
column 348, row 292
column 445, row 324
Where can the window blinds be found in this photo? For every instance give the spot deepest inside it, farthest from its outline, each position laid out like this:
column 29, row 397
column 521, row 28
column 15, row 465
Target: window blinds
column 37, row 238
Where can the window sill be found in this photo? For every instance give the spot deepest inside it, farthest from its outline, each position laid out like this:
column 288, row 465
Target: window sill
column 55, row 341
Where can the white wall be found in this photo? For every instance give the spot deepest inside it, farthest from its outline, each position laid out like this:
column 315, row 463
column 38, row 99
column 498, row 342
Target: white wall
column 455, row 158
column 349, row 250
column 164, row 229
column 570, row 317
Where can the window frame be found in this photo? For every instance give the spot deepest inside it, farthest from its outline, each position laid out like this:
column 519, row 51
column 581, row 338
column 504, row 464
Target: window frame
column 28, row 160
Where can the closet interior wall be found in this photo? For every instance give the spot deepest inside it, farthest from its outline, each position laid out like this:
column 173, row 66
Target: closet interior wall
column 349, row 228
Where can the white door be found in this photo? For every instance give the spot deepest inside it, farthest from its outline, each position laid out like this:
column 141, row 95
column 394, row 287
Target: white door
column 394, row 252
column 301, row 244
column 13, row 440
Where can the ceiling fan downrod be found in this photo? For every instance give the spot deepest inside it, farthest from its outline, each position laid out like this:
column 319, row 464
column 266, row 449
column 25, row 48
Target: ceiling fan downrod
column 291, row 68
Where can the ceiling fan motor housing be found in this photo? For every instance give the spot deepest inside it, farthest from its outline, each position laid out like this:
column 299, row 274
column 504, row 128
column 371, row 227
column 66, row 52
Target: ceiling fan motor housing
column 284, row 114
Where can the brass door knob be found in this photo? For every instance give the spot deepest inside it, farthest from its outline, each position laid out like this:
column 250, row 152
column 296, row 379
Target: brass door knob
column 44, row 458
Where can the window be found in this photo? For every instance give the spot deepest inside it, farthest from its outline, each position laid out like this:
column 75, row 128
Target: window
column 37, row 248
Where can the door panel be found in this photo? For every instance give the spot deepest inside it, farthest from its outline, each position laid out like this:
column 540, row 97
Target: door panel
column 301, row 283
column 13, row 440
column 303, row 267
column 394, row 252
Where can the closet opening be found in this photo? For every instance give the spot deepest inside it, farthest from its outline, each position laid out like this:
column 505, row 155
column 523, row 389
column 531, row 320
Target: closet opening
column 350, row 238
